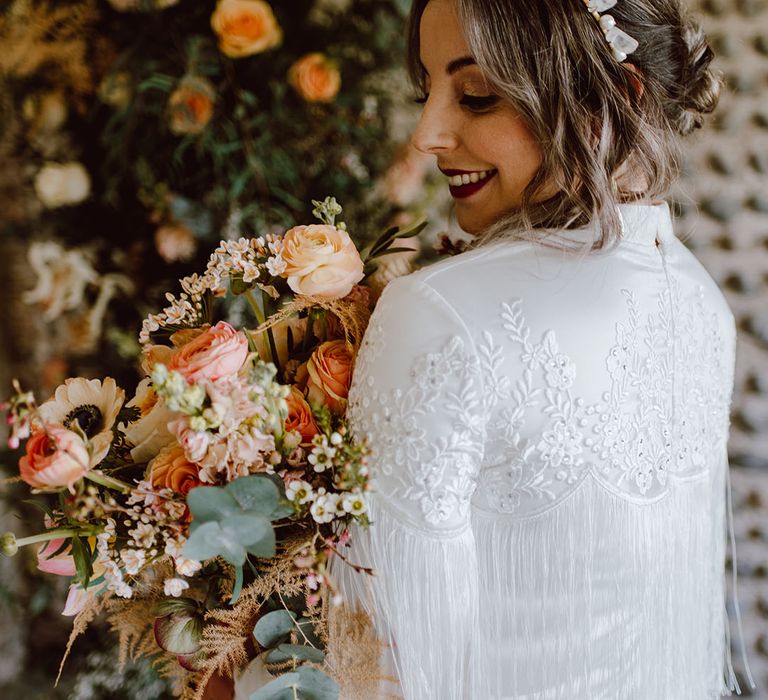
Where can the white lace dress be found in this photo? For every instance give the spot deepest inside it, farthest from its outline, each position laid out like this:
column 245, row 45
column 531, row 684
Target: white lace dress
column 549, row 434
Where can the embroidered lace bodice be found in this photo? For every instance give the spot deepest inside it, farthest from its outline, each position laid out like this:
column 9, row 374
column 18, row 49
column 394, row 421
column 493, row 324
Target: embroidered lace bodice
column 549, row 437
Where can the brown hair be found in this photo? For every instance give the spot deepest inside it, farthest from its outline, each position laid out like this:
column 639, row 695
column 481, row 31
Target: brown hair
column 552, row 62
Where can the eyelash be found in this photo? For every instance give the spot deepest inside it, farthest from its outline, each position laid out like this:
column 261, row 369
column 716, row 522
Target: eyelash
column 476, row 103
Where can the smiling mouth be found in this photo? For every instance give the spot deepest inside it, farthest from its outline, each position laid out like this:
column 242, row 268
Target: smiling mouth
column 464, row 183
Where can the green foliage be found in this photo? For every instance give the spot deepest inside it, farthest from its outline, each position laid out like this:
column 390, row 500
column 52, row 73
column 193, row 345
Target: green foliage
column 305, row 683
column 274, row 627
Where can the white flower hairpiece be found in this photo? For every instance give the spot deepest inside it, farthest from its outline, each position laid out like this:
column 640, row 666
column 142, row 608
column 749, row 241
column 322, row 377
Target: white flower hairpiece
column 620, row 42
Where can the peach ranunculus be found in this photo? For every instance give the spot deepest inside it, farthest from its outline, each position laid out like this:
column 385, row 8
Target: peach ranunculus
column 300, row 418
column 172, row 470
column 190, row 106
column 245, row 27
column 321, row 261
column 315, row 77
column 217, row 352
column 327, row 375
column 55, row 457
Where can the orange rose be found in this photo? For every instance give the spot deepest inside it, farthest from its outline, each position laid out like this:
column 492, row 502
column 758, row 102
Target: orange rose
column 245, row 27
column 55, row 457
column 191, row 106
column 300, row 417
column 217, row 352
column 172, row 470
column 328, row 374
column 321, row 261
column 315, row 77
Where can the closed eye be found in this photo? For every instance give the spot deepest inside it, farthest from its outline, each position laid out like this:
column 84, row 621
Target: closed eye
column 479, row 103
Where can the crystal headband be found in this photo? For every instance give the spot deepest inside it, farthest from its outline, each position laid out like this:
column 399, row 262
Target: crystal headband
column 620, row 42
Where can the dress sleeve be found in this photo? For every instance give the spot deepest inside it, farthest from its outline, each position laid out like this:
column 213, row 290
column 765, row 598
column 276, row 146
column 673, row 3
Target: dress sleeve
column 417, row 396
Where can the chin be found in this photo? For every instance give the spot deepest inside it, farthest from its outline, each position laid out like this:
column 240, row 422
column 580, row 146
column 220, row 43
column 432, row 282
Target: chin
column 471, row 224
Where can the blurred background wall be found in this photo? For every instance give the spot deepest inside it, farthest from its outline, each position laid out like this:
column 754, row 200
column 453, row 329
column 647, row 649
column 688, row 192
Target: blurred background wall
column 178, row 142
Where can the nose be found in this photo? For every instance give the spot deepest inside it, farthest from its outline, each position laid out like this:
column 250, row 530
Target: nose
column 435, row 132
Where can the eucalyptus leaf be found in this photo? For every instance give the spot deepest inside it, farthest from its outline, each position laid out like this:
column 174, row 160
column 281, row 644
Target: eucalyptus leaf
column 305, row 683
column 210, row 540
column 286, row 652
column 209, row 503
column 274, row 627
column 254, row 493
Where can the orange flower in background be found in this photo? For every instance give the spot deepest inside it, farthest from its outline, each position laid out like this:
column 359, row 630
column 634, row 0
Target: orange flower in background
column 300, row 417
column 56, row 457
column 315, row 77
column 190, row 106
column 172, row 470
column 327, row 375
column 175, row 242
column 245, row 27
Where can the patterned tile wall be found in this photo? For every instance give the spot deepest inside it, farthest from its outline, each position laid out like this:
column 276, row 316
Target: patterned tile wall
column 723, row 205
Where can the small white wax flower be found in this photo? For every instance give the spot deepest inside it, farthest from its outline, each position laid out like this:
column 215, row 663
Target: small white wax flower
column 187, row 567
column 299, row 491
column 354, row 503
column 175, row 587
column 322, row 457
column 133, row 559
column 336, row 439
column 323, row 509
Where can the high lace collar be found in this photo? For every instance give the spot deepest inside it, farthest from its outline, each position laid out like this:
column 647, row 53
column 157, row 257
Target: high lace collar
column 644, row 224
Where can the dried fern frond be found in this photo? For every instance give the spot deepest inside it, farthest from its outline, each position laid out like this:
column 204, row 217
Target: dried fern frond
column 353, row 654
column 84, row 618
column 37, row 36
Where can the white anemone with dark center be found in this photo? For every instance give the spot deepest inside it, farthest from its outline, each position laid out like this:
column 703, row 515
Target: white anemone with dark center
column 91, row 405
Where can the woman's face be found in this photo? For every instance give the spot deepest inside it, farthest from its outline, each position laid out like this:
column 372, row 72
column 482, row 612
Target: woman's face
column 480, row 141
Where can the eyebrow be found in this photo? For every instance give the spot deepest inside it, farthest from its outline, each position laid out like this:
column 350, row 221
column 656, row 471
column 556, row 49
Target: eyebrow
column 456, row 65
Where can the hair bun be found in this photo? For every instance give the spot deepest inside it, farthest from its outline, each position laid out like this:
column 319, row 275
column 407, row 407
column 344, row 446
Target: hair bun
column 699, row 85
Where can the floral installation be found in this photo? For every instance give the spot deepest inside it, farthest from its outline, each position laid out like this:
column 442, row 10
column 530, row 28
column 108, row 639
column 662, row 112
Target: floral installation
column 202, row 513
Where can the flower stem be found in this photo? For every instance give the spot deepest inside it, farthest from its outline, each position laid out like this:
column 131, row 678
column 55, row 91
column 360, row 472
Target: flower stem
column 270, row 335
column 259, row 314
column 10, row 545
column 109, row 482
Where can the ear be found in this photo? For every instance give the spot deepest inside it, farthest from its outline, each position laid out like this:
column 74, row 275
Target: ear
column 636, row 79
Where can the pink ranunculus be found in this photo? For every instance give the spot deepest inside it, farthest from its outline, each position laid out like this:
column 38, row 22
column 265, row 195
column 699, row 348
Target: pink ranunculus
column 217, row 352
column 62, row 564
column 327, row 374
column 56, row 457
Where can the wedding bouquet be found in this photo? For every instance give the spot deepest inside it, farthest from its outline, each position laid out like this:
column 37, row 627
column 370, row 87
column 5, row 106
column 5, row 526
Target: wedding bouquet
column 201, row 514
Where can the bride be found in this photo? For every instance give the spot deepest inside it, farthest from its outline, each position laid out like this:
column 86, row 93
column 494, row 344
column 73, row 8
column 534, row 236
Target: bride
column 549, row 411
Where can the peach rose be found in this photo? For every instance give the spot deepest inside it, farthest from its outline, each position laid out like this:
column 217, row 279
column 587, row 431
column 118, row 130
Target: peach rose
column 300, row 417
column 55, row 457
column 217, row 352
column 315, row 77
column 245, row 27
column 62, row 564
column 172, row 470
column 327, row 375
column 321, row 261
column 190, row 106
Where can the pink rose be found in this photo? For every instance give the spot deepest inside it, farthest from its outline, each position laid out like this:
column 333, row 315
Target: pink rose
column 321, row 261
column 217, row 352
column 55, row 457
column 62, row 564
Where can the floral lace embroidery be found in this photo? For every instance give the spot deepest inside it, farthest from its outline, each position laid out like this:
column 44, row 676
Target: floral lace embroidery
column 645, row 429
column 435, row 469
